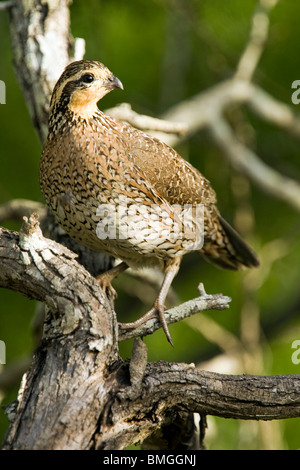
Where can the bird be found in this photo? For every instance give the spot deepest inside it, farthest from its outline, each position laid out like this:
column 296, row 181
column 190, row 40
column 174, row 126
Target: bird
column 120, row 191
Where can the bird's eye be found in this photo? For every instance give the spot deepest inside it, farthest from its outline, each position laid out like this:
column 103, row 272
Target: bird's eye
column 87, row 78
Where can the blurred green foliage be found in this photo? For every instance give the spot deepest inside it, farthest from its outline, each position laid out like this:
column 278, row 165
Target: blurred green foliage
column 165, row 51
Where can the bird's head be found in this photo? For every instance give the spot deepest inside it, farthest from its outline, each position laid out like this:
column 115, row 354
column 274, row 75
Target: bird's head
column 82, row 84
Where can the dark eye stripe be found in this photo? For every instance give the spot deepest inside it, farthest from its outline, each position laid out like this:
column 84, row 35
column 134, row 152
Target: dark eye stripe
column 73, row 84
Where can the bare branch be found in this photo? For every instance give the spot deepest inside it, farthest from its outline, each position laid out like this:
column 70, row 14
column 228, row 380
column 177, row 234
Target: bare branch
column 273, row 111
column 175, row 314
column 124, row 112
column 44, row 270
column 114, row 414
column 182, row 386
column 16, row 209
column 206, row 110
column 258, row 37
column 29, row 263
column 80, row 313
column 245, row 161
column 138, row 363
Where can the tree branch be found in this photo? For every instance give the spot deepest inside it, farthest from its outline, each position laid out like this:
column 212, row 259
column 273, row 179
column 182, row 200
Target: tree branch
column 206, row 111
column 41, row 269
column 113, row 401
column 124, row 112
column 176, row 314
column 258, row 36
column 246, row 162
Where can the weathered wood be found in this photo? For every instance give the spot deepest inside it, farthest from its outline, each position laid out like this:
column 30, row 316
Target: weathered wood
column 79, row 394
column 41, row 45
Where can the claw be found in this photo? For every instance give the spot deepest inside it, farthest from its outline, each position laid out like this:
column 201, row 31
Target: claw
column 105, row 284
column 157, row 311
column 105, row 279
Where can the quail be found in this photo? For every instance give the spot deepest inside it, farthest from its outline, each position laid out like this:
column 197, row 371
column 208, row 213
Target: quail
column 120, row 191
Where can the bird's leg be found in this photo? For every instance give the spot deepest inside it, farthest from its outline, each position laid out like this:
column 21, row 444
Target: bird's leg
column 105, row 279
column 171, row 269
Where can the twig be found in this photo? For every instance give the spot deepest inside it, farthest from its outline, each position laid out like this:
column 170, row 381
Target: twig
column 273, row 110
column 205, row 111
column 176, row 314
column 30, row 270
column 16, row 209
column 245, row 161
column 258, row 37
column 79, row 48
column 137, row 365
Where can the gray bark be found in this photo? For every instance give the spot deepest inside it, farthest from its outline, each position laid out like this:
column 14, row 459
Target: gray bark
column 79, row 393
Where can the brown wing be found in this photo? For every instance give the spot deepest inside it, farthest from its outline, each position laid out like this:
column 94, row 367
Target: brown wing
column 171, row 176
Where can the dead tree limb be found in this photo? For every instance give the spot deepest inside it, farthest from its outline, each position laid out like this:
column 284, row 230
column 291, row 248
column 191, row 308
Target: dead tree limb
column 79, row 393
column 43, row 270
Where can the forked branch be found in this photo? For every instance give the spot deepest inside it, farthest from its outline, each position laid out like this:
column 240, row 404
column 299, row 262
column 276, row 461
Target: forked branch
column 46, row 271
column 114, row 400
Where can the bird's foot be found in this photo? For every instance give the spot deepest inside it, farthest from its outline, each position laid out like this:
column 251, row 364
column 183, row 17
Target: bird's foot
column 157, row 311
column 104, row 281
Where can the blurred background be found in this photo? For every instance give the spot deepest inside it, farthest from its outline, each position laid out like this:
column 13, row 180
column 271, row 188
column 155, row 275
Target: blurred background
column 165, row 51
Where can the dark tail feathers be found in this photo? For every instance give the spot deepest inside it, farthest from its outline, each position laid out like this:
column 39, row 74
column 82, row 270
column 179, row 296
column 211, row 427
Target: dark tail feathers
column 239, row 254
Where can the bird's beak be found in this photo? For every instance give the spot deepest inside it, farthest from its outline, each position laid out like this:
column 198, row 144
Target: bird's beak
column 113, row 82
